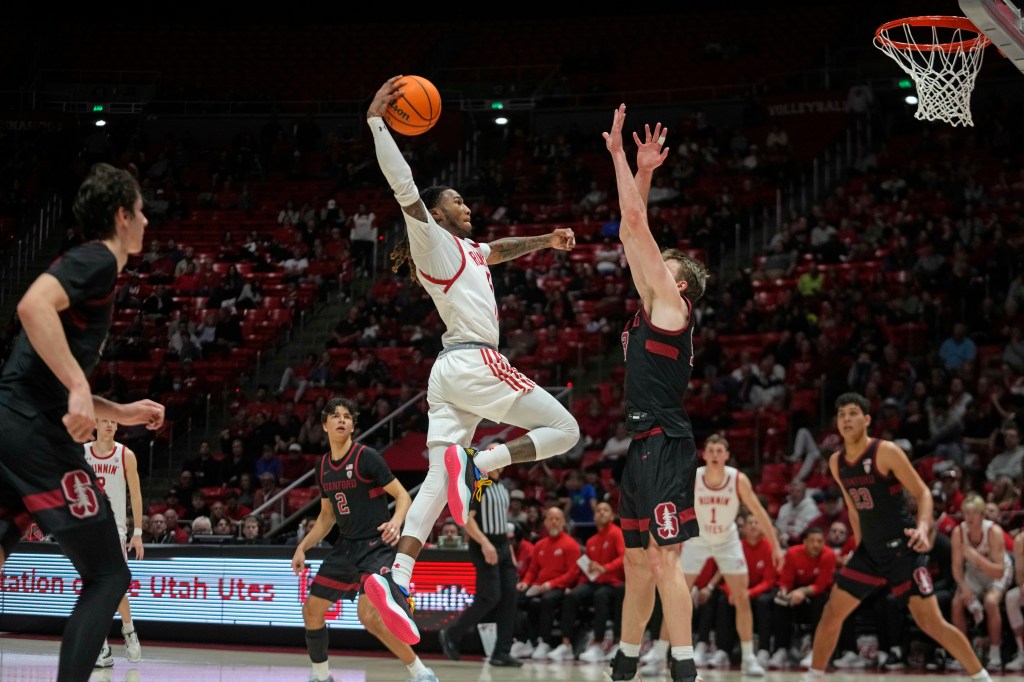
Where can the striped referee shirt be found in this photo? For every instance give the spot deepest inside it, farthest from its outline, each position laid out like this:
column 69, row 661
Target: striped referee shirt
column 492, row 510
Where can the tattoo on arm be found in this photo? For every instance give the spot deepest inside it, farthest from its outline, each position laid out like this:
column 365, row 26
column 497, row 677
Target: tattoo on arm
column 511, row 248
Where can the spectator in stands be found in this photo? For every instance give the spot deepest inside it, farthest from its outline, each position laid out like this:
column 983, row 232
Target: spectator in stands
column 1008, row 462
column 362, row 238
column 294, row 465
column 804, row 584
column 832, row 509
column 158, row 530
column 252, row 531
column 223, row 526
column 272, row 517
column 945, row 431
column 237, row 463
column 234, row 511
column 206, row 469
column 552, row 570
column 269, row 463
column 958, row 348
column 602, row 586
column 762, row 580
column 177, row 534
column 578, row 499
column 796, row 514
column 983, row 570
column 312, row 437
column 1013, row 606
column 246, row 492
column 111, row 385
column 609, row 258
column 199, row 506
column 186, row 486
column 201, row 526
column 183, row 343
column 516, row 508
column 188, row 258
column 251, row 295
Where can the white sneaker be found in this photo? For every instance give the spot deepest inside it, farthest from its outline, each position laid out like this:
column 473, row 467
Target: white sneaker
column 752, row 667
column 653, row 669
column 954, row 666
column 562, row 652
column 106, row 658
column 700, row 654
column 657, row 652
column 132, row 648
column 593, row 654
column 849, row 659
column 424, row 676
column 521, row 650
column 995, row 663
column 314, row 678
column 610, row 654
column 1016, row 664
column 780, row 659
column 805, row 662
column 541, row 651
column 719, row 659
column 763, row 657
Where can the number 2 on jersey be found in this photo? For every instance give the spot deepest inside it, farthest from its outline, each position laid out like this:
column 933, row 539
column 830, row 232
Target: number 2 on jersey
column 342, row 503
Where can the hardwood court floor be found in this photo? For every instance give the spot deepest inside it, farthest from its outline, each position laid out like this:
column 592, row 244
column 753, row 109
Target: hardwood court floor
column 24, row 659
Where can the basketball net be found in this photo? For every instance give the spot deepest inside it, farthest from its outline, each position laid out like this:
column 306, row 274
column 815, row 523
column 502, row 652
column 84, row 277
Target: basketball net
column 944, row 68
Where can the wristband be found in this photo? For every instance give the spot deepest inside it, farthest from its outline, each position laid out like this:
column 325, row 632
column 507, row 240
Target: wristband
column 137, row 533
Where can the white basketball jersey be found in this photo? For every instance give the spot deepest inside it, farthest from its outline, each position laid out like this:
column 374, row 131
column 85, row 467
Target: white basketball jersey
column 984, row 549
column 110, row 473
column 454, row 272
column 717, row 508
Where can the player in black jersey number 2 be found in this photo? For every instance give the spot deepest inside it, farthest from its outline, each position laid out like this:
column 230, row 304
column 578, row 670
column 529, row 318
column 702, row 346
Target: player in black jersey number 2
column 891, row 546
column 354, row 483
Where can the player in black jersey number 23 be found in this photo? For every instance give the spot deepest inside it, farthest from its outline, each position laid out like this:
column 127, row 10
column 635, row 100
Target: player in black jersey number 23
column 354, row 484
column 891, row 546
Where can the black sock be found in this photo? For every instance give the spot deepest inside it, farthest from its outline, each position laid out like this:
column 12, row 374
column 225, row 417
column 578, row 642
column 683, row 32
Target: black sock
column 316, row 644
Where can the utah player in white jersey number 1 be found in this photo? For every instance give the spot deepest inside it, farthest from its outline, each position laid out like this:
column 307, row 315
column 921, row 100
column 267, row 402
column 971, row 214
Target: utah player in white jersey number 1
column 718, row 493
column 471, row 380
column 117, row 473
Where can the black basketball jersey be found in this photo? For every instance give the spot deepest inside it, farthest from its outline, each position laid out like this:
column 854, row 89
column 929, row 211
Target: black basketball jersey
column 355, row 486
column 658, row 367
column 879, row 499
column 87, row 273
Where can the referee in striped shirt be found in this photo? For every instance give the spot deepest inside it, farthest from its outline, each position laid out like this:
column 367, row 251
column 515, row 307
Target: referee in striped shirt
column 491, row 554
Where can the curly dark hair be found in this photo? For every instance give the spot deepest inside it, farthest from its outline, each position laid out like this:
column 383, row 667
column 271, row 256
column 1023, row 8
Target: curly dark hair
column 105, row 190
column 401, row 253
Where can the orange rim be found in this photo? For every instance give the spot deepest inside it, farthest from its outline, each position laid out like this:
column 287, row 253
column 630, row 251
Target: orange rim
column 955, row 23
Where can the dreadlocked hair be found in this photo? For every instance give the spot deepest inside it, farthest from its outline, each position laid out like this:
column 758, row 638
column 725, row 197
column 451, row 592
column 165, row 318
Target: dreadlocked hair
column 689, row 269
column 401, row 254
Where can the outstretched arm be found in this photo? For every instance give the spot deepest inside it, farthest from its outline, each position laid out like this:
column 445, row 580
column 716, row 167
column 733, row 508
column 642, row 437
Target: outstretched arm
column 657, row 287
column 394, row 166
column 511, row 248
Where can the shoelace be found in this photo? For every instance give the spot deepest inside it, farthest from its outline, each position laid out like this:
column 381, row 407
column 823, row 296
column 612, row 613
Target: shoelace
column 481, row 483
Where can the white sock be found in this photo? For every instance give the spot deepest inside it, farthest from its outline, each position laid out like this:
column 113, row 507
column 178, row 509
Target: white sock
column 495, row 458
column 661, row 646
column 747, row 649
column 994, row 652
column 127, row 627
column 629, row 650
column 401, row 570
column 682, row 653
column 321, row 671
column 416, row 667
column 815, row 675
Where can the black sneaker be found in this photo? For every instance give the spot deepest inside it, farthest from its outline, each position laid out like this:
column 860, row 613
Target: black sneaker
column 684, row 671
column 623, row 667
column 450, row 648
column 505, row 661
column 937, row 662
column 895, row 661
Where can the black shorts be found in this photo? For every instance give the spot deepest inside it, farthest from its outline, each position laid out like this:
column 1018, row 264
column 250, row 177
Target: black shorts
column 901, row 568
column 342, row 572
column 657, row 490
column 44, row 476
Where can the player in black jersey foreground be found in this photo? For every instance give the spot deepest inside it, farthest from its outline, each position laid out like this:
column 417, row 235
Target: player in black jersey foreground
column 47, row 410
column 354, row 483
column 891, row 545
column 656, row 513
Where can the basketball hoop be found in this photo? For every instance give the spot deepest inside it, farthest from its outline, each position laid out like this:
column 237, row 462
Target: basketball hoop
column 943, row 56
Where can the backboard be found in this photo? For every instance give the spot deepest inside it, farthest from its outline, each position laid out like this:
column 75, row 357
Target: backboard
column 1002, row 22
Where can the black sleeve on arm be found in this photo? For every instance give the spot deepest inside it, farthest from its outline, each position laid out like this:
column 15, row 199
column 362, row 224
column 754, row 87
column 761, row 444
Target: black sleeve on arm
column 86, row 273
column 373, row 467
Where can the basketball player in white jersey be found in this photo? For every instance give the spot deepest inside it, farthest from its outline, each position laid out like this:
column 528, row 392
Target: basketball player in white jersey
column 718, row 493
column 118, row 475
column 471, row 380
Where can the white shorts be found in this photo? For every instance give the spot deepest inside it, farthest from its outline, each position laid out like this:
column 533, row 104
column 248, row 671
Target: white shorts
column 728, row 555
column 466, row 386
column 981, row 583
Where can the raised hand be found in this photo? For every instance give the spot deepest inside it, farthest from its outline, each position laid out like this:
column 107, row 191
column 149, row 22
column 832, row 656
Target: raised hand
column 387, row 94
column 563, row 239
column 613, row 139
column 651, row 152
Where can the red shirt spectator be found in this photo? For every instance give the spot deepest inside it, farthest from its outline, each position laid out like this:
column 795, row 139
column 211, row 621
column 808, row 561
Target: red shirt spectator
column 607, row 547
column 760, row 569
column 811, row 564
column 524, row 557
column 554, row 556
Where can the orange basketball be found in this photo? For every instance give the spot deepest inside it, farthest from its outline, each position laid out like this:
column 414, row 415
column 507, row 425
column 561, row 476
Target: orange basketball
column 417, row 109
